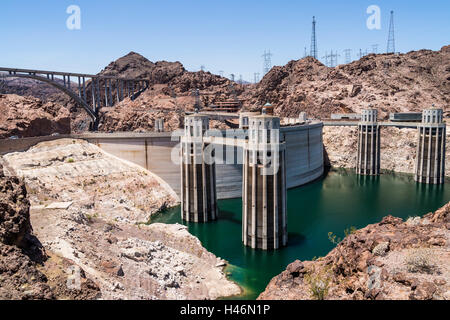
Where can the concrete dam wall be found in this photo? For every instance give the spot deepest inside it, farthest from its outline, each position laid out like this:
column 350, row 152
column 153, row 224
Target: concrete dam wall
column 153, row 151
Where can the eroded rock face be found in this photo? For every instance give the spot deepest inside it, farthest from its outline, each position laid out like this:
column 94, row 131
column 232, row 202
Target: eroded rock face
column 392, row 259
column 25, row 271
column 14, row 211
column 29, row 117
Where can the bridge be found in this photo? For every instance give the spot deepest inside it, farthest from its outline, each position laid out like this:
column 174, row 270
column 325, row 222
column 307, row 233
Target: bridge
column 91, row 92
column 411, row 125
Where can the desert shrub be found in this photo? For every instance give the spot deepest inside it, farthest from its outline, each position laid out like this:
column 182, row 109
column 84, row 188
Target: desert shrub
column 421, row 260
column 413, row 221
column 381, row 249
column 319, row 283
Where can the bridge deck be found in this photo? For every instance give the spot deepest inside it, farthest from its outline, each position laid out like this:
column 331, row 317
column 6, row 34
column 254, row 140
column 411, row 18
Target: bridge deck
column 412, row 125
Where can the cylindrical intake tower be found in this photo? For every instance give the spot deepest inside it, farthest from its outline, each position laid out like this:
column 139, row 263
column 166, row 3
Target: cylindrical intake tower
column 264, row 185
column 368, row 159
column 430, row 159
column 198, row 178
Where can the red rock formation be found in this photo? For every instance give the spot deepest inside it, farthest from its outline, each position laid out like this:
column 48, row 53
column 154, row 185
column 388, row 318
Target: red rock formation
column 28, row 117
column 392, row 259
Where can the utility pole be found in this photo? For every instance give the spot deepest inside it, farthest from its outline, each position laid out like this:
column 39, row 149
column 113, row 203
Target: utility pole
column 391, row 37
column 313, row 52
column 267, row 56
column 240, row 79
column 202, row 68
column 348, row 55
column 232, row 77
column 221, row 73
column 305, row 54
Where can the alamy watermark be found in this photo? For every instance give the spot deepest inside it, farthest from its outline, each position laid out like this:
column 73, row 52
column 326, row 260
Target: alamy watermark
column 374, row 20
column 227, row 148
column 73, row 22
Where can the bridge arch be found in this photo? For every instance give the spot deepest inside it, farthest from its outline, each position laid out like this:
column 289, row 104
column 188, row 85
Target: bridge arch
column 67, row 91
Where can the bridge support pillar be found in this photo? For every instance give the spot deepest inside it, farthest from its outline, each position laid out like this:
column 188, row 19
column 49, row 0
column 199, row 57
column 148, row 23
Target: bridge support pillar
column 430, row 158
column 264, row 185
column 198, row 178
column 368, row 159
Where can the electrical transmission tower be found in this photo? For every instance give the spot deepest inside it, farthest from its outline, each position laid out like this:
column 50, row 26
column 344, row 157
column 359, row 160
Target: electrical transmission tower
column 348, row 55
column 313, row 52
column 361, row 54
column 202, row 68
column 232, row 77
column 221, row 73
column 331, row 59
column 241, row 81
column 267, row 56
column 305, row 54
column 375, row 48
column 391, row 38
column 327, row 59
column 334, row 59
column 256, row 77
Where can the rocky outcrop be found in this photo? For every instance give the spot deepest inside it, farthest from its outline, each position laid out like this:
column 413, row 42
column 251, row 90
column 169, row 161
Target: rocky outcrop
column 390, row 260
column 29, row 117
column 24, row 264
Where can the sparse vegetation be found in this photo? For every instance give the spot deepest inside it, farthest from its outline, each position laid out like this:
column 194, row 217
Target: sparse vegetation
column 70, row 160
column 381, row 249
column 421, row 260
column 336, row 240
column 319, row 282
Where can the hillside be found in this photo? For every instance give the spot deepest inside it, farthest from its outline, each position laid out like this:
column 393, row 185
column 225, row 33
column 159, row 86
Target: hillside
column 388, row 82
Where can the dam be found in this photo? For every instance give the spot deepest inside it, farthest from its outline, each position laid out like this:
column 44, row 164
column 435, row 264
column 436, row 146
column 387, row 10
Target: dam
column 155, row 151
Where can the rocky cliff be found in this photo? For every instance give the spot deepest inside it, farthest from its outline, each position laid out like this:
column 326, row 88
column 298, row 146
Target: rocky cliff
column 30, row 117
column 390, row 260
column 27, row 271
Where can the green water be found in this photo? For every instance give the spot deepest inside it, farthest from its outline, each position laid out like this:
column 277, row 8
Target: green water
column 336, row 202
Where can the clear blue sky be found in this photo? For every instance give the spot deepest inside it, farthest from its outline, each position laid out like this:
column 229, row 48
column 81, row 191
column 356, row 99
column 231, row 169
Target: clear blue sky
column 221, row 35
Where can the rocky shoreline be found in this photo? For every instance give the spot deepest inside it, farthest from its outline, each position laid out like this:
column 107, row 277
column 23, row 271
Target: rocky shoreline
column 91, row 209
column 390, row 260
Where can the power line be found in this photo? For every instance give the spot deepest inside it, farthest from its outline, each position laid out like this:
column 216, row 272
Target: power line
column 391, row 37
